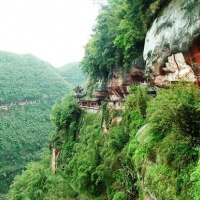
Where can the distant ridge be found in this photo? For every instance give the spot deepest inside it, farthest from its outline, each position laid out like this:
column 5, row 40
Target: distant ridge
column 26, row 77
column 73, row 74
column 29, row 87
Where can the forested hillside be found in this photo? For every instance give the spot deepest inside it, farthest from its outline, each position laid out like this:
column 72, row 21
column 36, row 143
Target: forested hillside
column 28, row 89
column 73, row 74
column 119, row 35
column 142, row 144
column 153, row 151
column 25, row 77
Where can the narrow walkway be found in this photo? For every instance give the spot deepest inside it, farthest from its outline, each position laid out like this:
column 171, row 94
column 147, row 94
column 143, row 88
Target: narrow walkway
column 9, row 106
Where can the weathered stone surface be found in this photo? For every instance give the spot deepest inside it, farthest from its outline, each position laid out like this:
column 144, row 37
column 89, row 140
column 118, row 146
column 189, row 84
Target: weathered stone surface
column 102, row 90
column 172, row 45
column 115, row 88
column 119, row 80
column 175, row 69
column 54, row 157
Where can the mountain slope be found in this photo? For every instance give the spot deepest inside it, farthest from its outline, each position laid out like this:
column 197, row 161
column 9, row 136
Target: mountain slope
column 26, row 77
column 73, row 74
column 149, row 151
column 28, row 89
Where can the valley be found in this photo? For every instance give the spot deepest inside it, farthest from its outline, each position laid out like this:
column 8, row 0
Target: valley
column 129, row 130
column 29, row 88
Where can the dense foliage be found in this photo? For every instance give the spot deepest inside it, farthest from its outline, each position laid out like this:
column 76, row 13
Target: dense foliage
column 150, row 148
column 73, row 74
column 25, row 77
column 65, row 117
column 119, row 35
column 150, row 10
column 28, row 89
column 156, row 146
column 37, row 181
column 167, row 150
column 117, row 38
column 24, row 131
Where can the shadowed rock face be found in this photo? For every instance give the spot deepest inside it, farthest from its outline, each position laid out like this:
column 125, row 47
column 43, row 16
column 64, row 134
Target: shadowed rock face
column 101, row 91
column 115, row 88
column 119, row 80
column 172, row 45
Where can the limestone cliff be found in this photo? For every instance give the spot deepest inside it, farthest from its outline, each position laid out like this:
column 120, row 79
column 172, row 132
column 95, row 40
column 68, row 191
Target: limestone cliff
column 171, row 53
column 115, row 88
column 120, row 80
column 172, row 45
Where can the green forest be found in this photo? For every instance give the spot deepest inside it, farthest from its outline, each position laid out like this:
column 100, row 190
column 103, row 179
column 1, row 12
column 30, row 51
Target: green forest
column 25, row 77
column 157, row 144
column 24, row 132
column 29, row 88
column 150, row 149
column 73, row 74
column 119, row 35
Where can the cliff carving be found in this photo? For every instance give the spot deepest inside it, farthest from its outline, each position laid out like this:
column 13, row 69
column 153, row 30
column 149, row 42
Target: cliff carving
column 172, row 45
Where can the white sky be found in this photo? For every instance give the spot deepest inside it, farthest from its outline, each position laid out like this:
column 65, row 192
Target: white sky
column 53, row 30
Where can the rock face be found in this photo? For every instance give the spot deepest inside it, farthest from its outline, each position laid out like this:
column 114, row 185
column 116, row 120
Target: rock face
column 115, row 88
column 119, row 80
column 172, row 45
column 54, row 157
column 101, row 91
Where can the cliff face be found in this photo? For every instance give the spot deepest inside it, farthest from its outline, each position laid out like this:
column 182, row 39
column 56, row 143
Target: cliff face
column 115, row 87
column 171, row 52
column 120, row 80
column 172, row 45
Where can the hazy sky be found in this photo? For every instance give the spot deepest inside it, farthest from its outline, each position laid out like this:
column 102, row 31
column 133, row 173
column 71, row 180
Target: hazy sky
column 53, row 30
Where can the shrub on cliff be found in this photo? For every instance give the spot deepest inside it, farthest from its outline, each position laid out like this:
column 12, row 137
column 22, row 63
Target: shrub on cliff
column 166, row 153
column 162, row 155
column 179, row 108
column 118, row 38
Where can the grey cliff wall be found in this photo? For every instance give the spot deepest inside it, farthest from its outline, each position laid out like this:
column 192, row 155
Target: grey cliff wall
column 172, row 45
